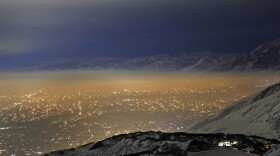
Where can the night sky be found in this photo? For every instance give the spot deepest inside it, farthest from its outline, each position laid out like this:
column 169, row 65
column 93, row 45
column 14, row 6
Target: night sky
column 37, row 29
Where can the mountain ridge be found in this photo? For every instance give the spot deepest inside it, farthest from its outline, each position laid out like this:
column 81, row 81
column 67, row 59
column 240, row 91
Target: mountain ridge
column 264, row 58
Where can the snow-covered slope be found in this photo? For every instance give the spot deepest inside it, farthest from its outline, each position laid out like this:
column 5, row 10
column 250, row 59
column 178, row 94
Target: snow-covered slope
column 172, row 144
column 206, row 63
column 255, row 115
column 273, row 152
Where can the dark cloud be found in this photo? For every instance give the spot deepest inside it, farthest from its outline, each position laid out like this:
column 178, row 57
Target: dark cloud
column 71, row 28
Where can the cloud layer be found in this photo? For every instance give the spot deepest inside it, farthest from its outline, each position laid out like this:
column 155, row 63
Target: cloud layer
column 71, row 28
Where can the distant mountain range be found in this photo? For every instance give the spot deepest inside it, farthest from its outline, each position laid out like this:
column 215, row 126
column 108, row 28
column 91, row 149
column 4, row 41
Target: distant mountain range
column 265, row 57
column 186, row 62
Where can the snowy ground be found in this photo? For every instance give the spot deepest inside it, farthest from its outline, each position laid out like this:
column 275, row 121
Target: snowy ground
column 221, row 151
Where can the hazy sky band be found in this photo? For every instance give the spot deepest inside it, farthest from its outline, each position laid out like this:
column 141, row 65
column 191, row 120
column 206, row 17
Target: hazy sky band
column 68, row 28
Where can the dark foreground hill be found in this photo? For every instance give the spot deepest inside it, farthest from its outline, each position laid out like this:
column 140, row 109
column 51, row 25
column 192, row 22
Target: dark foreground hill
column 177, row 144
